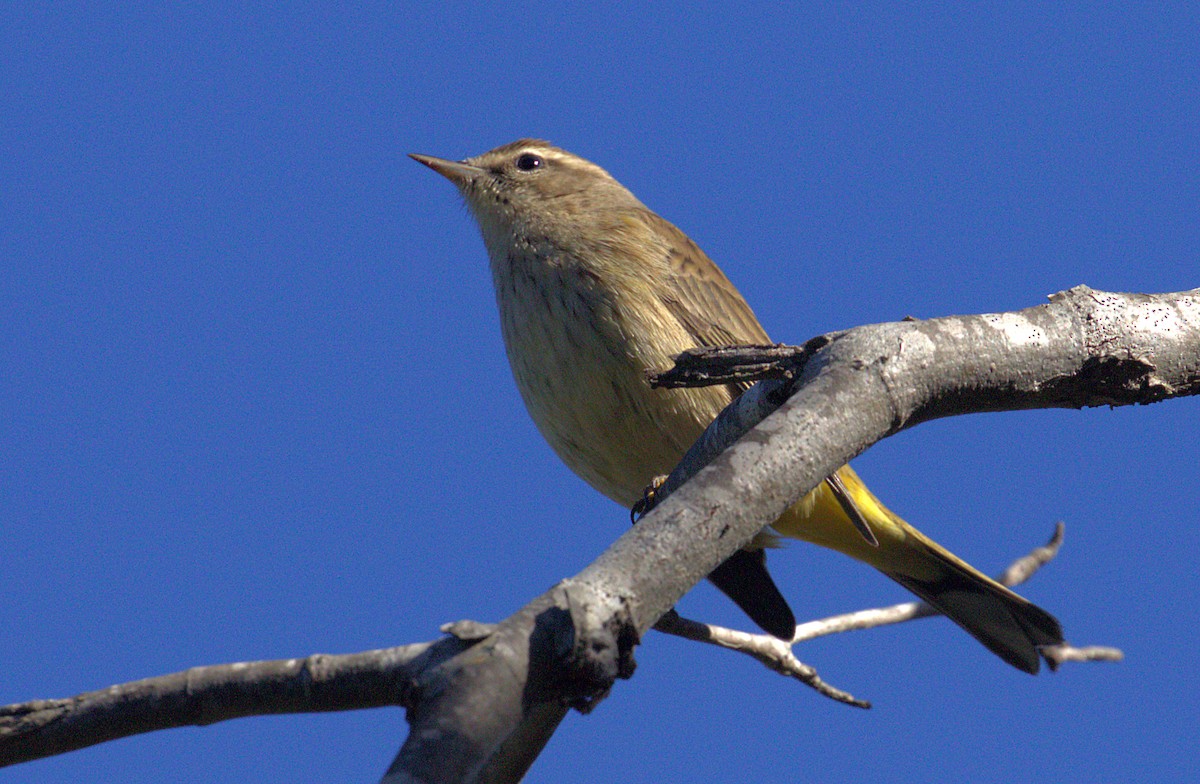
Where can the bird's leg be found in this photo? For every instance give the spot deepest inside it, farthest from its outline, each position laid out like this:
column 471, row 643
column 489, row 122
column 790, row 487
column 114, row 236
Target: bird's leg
column 648, row 500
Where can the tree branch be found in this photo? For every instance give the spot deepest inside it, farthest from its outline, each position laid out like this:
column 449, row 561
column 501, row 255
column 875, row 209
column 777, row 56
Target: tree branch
column 205, row 695
column 480, row 709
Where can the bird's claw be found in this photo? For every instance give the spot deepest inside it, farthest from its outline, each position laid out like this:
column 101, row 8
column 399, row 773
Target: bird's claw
column 648, row 500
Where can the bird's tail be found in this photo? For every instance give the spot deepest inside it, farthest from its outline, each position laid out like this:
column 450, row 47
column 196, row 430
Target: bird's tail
column 844, row 515
column 1011, row 627
column 744, row 578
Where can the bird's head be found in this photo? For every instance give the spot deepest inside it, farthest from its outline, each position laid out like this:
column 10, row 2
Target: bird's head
column 531, row 188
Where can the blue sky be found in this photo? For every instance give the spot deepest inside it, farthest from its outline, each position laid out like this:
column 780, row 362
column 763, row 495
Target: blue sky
column 255, row 403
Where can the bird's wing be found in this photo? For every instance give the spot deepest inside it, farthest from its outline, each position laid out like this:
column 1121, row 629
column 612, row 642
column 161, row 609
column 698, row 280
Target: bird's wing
column 699, row 295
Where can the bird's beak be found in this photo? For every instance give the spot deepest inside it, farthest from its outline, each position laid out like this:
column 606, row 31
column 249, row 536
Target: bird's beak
column 457, row 172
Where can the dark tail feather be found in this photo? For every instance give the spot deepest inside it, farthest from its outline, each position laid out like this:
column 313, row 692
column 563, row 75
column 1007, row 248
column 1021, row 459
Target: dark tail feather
column 744, row 578
column 1010, row 626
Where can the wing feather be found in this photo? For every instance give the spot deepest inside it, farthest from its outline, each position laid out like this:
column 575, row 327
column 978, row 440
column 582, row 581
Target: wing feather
column 699, row 295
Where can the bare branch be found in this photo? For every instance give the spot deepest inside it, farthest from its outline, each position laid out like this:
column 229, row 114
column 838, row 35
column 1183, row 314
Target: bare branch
column 709, row 365
column 482, row 707
column 1056, row 655
column 774, row 653
column 1025, row 567
column 1084, row 348
column 205, row 695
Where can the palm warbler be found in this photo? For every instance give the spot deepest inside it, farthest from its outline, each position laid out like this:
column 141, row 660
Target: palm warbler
column 594, row 290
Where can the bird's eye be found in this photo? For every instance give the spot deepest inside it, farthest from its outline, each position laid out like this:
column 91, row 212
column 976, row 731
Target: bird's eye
column 528, row 162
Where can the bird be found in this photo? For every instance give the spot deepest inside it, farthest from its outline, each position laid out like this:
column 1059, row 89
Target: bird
column 594, row 292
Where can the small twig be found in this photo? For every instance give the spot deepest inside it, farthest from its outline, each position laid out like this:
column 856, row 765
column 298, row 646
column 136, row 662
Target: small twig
column 709, row 365
column 774, row 653
column 777, row 655
column 1057, row 654
column 863, row 619
column 1025, row 567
